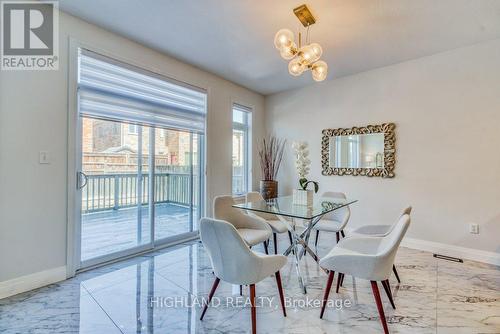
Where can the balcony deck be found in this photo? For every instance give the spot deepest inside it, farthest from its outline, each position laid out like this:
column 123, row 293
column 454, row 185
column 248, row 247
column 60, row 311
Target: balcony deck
column 109, row 231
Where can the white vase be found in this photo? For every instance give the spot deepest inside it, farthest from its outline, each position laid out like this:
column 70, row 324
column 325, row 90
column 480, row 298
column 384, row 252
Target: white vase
column 303, row 197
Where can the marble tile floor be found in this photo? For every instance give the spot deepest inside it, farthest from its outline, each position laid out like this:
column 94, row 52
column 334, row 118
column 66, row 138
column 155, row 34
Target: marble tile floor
column 138, row 295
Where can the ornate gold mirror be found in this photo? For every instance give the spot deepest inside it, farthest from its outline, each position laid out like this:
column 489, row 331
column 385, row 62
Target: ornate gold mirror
column 368, row 150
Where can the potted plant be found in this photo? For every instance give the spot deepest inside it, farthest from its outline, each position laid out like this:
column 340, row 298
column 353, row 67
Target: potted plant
column 303, row 196
column 271, row 155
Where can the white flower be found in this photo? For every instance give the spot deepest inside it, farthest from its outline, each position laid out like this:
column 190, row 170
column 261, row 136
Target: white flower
column 302, row 162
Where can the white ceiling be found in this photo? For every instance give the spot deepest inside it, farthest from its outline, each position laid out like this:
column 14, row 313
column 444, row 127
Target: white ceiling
column 234, row 38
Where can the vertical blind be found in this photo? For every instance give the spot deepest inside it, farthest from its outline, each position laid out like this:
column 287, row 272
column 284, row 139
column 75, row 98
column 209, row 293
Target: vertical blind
column 114, row 90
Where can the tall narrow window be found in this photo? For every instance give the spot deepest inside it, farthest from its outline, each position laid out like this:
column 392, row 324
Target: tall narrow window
column 241, row 156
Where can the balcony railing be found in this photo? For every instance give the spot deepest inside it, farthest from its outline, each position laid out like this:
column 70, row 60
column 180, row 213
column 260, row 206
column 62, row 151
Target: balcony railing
column 116, row 191
column 238, row 180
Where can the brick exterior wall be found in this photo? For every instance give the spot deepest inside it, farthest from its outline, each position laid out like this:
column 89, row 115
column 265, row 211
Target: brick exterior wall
column 111, row 147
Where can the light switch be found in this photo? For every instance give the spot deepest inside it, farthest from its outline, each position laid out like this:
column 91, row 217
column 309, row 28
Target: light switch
column 474, row 228
column 44, row 157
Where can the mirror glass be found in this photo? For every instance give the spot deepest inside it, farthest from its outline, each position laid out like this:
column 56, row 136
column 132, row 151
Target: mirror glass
column 357, row 151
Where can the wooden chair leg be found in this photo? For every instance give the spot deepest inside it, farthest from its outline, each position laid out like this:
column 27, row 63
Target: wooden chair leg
column 265, row 247
column 280, row 290
column 396, row 273
column 316, row 240
column 210, row 295
column 291, row 242
column 241, row 290
column 342, row 280
column 387, row 289
column 327, row 292
column 338, row 236
column 254, row 315
column 380, row 308
column 343, row 234
column 275, row 241
column 339, row 280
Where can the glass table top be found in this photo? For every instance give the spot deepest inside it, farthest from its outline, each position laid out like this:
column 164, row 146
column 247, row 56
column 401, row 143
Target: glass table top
column 284, row 206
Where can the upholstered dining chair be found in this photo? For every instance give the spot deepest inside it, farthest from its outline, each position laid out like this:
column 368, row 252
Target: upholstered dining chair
column 277, row 226
column 252, row 229
column 369, row 258
column 380, row 231
column 234, row 262
column 334, row 221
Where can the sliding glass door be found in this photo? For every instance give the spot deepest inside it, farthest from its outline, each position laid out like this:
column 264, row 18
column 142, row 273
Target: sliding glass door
column 115, row 164
column 117, row 214
column 177, row 177
column 140, row 170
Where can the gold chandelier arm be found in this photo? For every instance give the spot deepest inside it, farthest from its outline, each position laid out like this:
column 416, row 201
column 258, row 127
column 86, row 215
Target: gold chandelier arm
column 307, row 34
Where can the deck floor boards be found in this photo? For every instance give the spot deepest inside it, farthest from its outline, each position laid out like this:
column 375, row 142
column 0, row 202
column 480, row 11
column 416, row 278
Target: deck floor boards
column 110, row 231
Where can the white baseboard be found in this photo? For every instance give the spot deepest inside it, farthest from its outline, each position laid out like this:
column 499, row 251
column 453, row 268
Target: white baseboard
column 32, row 281
column 451, row 250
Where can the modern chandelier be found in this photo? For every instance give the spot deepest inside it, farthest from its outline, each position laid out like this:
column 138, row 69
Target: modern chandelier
column 302, row 57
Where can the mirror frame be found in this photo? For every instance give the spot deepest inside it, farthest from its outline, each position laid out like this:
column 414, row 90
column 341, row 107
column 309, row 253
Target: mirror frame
column 389, row 131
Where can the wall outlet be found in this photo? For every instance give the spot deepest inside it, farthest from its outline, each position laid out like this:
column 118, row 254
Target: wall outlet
column 474, row 228
column 43, row 157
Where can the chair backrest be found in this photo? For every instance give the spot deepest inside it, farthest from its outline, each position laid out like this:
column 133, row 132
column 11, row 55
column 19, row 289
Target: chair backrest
column 388, row 248
column 406, row 211
column 232, row 260
column 341, row 215
column 390, row 242
column 223, row 210
column 254, row 196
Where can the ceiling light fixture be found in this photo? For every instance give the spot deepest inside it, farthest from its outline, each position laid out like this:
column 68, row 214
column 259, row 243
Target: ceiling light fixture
column 305, row 57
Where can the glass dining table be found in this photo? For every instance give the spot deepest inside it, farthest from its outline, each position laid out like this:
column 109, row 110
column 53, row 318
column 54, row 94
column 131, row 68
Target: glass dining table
column 284, row 208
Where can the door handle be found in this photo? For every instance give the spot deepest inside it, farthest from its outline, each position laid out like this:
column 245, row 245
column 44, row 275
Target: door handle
column 79, row 176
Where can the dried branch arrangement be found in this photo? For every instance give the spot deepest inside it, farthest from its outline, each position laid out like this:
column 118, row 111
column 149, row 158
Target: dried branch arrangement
column 271, row 154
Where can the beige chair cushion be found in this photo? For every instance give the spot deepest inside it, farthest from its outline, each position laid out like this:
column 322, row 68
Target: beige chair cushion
column 373, row 230
column 232, row 260
column 336, row 220
column 256, row 229
column 379, row 230
column 277, row 226
column 328, row 225
column 253, row 237
column 370, row 258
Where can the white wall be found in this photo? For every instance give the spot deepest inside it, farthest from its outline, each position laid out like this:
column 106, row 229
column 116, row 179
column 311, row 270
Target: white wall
column 34, row 117
column 447, row 111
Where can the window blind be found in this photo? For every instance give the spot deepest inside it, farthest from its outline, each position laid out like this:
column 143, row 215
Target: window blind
column 114, row 90
column 241, row 108
column 241, row 115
